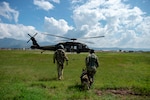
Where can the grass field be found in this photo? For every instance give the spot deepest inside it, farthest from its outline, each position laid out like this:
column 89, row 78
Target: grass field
column 29, row 75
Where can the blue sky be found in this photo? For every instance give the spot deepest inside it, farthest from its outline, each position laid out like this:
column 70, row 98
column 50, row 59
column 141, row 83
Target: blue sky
column 124, row 23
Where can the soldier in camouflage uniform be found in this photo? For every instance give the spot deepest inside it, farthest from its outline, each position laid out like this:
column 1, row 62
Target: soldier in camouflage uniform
column 91, row 65
column 60, row 57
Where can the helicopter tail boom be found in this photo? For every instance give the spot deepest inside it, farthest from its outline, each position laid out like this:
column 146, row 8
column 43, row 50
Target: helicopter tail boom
column 35, row 45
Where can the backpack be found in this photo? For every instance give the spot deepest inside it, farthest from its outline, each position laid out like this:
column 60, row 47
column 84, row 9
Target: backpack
column 91, row 60
column 60, row 56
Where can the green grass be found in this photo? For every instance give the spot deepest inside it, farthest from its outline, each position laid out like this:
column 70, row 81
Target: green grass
column 29, row 75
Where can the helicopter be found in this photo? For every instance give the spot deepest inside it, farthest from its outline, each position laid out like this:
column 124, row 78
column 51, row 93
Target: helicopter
column 69, row 46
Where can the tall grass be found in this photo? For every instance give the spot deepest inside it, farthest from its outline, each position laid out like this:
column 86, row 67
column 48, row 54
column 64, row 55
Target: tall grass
column 29, row 75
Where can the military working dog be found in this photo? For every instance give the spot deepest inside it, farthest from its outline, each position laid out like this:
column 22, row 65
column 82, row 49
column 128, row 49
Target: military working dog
column 85, row 83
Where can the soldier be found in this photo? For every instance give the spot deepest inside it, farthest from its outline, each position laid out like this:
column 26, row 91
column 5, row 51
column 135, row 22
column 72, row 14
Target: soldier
column 91, row 65
column 60, row 57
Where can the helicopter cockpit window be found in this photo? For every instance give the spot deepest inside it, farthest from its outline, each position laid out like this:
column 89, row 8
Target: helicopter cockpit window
column 67, row 48
column 80, row 46
column 74, row 47
column 86, row 46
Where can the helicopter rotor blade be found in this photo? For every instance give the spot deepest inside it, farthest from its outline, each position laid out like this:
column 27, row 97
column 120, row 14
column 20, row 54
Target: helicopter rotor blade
column 34, row 34
column 29, row 35
column 93, row 37
column 89, row 42
column 83, row 39
column 58, row 36
column 74, row 39
column 28, row 41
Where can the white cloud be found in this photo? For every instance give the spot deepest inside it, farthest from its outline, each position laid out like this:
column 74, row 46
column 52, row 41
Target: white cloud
column 56, row 1
column 7, row 12
column 76, row 2
column 19, row 32
column 124, row 26
column 43, row 4
column 54, row 26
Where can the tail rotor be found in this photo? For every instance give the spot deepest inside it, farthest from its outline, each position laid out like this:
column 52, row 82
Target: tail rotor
column 31, row 37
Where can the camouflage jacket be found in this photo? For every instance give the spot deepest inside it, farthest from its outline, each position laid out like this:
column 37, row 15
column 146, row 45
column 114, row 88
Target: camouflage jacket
column 60, row 56
column 91, row 61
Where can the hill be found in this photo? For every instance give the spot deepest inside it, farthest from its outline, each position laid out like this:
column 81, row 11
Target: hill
column 13, row 43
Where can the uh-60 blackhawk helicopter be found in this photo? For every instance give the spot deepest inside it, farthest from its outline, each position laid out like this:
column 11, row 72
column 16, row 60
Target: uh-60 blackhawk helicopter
column 69, row 46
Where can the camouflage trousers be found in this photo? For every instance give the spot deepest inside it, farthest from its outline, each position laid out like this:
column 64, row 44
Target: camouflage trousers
column 60, row 68
column 91, row 72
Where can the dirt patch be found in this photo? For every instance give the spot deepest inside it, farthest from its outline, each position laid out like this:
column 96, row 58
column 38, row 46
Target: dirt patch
column 98, row 92
column 113, row 91
column 120, row 91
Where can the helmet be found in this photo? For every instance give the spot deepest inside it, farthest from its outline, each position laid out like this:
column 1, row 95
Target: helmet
column 92, row 51
column 61, row 47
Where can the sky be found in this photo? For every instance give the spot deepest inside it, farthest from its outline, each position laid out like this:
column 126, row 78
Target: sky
column 124, row 23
